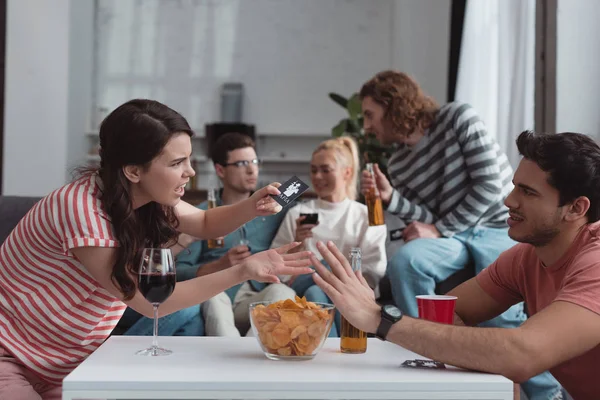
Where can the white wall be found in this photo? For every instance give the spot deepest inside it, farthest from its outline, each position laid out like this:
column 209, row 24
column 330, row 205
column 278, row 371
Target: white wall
column 81, row 70
column 288, row 53
column 48, row 92
column 35, row 111
column 421, row 43
column 578, row 67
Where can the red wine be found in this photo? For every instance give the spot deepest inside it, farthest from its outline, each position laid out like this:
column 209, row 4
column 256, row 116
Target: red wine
column 157, row 288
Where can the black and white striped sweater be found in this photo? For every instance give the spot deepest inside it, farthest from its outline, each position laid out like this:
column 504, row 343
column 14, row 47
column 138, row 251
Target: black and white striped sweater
column 455, row 177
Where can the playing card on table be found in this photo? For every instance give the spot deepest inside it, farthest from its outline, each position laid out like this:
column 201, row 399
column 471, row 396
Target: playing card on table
column 423, row 364
column 290, row 190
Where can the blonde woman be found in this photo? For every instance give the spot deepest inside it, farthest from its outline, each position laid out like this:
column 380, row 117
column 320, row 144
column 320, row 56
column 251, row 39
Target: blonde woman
column 334, row 170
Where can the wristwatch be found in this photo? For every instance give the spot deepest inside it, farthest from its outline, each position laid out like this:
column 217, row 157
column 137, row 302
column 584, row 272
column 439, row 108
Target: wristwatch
column 389, row 316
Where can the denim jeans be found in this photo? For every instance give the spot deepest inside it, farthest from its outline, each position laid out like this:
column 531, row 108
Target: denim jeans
column 420, row 264
column 186, row 322
column 304, row 285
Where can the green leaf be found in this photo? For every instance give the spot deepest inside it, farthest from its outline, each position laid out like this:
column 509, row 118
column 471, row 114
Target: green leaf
column 339, row 99
column 353, row 126
column 339, row 129
column 354, row 106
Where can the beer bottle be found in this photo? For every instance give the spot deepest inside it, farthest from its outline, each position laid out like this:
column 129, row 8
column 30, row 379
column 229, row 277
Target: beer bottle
column 353, row 340
column 212, row 203
column 373, row 200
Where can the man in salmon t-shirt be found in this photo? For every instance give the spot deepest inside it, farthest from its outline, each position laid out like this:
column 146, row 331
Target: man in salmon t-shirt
column 555, row 270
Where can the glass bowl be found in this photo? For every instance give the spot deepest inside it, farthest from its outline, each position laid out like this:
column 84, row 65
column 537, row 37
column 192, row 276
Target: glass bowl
column 291, row 330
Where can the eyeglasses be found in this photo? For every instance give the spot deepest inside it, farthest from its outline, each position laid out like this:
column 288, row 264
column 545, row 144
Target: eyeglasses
column 243, row 163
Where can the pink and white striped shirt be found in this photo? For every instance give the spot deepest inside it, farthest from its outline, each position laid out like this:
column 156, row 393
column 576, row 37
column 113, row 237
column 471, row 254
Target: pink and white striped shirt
column 53, row 314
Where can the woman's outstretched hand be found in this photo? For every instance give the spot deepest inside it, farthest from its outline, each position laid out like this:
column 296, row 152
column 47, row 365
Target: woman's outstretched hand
column 267, row 265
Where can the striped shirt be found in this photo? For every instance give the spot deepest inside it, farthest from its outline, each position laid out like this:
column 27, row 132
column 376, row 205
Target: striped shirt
column 455, row 177
column 53, row 314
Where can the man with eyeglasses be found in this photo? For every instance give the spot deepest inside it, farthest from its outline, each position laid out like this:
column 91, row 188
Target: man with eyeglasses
column 236, row 165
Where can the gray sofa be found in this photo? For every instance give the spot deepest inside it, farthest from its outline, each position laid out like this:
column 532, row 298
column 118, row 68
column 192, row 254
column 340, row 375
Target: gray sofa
column 12, row 209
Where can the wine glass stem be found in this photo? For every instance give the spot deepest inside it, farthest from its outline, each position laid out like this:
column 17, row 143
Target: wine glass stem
column 155, row 336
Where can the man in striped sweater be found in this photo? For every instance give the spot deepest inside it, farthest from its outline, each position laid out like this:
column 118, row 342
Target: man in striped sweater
column 449, row 179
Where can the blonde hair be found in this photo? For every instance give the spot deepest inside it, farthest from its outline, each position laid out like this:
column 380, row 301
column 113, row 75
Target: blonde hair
column 346, row 155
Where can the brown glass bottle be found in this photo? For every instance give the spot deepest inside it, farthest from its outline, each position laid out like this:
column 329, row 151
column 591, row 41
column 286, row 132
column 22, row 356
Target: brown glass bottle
column 193, row 179
column 212, row 203
column 352, row 339
column 373, row 201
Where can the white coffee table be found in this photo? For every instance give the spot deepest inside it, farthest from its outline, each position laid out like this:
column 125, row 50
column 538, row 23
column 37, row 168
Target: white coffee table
column 234, row 368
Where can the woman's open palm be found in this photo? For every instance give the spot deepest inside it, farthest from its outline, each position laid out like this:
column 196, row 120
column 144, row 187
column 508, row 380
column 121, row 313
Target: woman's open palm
column 267, row 265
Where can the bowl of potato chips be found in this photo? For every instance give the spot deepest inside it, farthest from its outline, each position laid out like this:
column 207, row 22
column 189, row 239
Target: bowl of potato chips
column 291, row 329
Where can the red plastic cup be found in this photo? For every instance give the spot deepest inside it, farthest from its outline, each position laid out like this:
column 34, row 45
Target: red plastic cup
column 437, row 308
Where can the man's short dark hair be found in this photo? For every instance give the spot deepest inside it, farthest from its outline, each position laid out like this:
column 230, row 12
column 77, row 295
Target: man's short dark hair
column 572, row 161
column 229, row 142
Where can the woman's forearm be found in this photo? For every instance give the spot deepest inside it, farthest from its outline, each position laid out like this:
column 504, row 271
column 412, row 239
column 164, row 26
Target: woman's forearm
column 215, row 222
column 223, row 220
column 198, row 290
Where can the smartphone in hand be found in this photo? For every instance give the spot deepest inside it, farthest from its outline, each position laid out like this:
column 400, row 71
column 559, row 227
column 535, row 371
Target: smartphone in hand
column 310, row 218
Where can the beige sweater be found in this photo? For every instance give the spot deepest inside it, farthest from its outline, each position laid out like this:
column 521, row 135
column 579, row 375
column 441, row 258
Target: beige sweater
column 346, row 224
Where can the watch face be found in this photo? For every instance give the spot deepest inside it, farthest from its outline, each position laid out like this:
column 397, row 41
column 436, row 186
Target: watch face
column 393, row 311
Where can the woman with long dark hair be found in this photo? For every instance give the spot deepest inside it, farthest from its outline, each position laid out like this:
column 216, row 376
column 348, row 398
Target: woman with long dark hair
column 68, row 270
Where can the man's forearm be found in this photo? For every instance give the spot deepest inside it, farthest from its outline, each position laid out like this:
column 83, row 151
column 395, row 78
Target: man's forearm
column 492, row 350
column 211, row 267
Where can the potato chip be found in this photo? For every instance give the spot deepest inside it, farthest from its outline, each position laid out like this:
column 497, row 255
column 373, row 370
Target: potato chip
column 290, row 318
column 316, row 329
column 281, row 335
column 297, row 331
column 284, row 351
column 303, row 339
column 291, row 327
column 291, row 305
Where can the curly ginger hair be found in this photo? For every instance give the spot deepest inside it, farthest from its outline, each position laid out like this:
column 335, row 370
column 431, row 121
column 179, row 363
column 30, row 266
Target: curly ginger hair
column 407, row 108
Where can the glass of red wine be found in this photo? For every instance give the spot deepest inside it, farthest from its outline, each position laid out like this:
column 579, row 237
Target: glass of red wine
column 156, row 282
